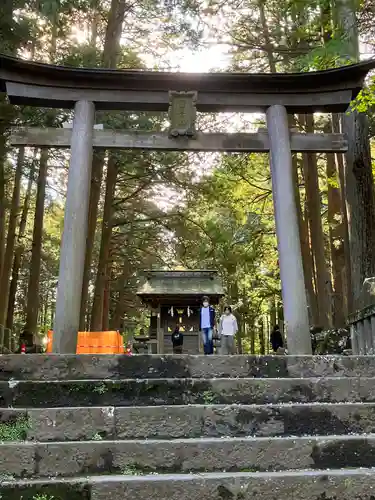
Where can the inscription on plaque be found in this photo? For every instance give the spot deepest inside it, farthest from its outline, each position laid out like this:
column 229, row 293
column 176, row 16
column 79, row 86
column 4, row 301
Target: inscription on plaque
column 182, row 113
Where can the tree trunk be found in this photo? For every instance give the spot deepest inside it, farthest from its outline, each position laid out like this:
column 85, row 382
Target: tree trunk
column 272, row 307
column 95, row 20
column 345, row 25
column 266, row 35
column 53, row 306
column 6, row 46
column 97, row 307
column 262, row 350
column 3, row 152
column 110, row 57
column 359, row 191
column 359, row 185
column 308, row 270
column 336, row 205
column 252, row 339
column 96, row 180
column 106, row 297
column 305, row 251
column 120, row 307
column 105, row 319
column 323, row 281
column 9, row 42
column 45, row 312
column 19, row 250
column 13, row 216
column 347, row 275
column 32, row 307
column 241, row 335
column 336, row 243
column 112, row 47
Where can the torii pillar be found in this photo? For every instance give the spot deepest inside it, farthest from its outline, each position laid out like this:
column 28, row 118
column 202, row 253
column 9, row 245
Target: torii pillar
column 287, row 231
column 73, row 244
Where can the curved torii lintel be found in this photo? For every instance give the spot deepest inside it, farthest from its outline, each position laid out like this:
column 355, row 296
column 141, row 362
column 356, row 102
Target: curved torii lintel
column 38, row 84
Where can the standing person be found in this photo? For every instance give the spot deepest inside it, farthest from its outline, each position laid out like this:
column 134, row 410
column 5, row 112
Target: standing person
column 177, row 340
column 207, row 324
column 276, row 338
column 227, row 329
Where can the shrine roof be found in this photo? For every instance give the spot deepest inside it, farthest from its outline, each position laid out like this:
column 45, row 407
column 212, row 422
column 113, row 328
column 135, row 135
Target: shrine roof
column 191, row 283
column 33, row 83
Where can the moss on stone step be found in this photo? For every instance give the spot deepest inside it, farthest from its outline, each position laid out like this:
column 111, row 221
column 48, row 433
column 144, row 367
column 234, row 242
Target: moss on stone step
column 15, row 428
column 58, row 491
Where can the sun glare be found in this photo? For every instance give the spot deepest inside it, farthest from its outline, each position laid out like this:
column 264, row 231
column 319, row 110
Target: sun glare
column 203, row 61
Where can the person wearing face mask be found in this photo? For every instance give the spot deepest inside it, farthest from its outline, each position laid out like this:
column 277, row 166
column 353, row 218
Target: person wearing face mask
column 207, row 324
column 227, row 329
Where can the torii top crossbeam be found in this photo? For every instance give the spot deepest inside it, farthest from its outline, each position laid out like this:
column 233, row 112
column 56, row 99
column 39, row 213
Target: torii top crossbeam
column 37, row 84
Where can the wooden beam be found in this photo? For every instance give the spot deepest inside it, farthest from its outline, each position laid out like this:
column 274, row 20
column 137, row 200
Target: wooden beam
column 107, row 139
column 331, row 100
column 37, row 84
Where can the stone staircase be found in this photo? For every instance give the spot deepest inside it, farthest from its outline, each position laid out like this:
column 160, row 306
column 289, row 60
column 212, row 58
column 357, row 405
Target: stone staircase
column 187, row 427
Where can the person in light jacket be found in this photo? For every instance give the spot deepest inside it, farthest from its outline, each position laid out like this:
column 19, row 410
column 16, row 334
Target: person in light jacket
column 227, row 329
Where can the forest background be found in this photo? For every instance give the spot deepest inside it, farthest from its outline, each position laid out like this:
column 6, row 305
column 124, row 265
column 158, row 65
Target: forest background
column 187, row 210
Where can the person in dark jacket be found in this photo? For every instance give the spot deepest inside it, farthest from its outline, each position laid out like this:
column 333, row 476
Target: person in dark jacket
column 276, row 338
column 207, row 325
column 177, row 340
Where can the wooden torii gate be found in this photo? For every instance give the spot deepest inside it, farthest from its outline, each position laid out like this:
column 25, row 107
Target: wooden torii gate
column 87, row 90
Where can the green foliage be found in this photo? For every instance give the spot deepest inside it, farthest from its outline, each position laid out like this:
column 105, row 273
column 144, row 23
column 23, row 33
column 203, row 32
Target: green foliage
column 14, row 430
column 365, row 100
column 131, row 470
column 331, row 341
column 14, row 31
column 87, row 56
column 100, row 388
column 209, row 398
column 325, row 56
column 228, row 225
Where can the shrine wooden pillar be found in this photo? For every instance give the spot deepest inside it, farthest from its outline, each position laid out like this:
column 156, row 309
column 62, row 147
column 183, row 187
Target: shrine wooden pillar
column 288, row 241
column 73, row 243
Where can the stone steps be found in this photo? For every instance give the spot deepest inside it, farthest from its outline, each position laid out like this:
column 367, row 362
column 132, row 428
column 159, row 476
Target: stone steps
column 195, row 421
column 147, row 392
column 142, row 457
column 187, row 427
column 108, row 366
column 352, row 484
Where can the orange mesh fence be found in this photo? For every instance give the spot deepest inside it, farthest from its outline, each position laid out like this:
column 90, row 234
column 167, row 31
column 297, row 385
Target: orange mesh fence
column 49, row 341
column 94, row 343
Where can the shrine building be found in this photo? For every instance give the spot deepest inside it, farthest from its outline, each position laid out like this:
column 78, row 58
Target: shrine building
column 175, row 297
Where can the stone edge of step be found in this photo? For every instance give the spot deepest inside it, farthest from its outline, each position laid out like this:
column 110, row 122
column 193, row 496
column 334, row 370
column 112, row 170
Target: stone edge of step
column 302, row 473
column 11, row 383
column 193, row 441
column 110, row 408
column 112, row 367
column 184, row 456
